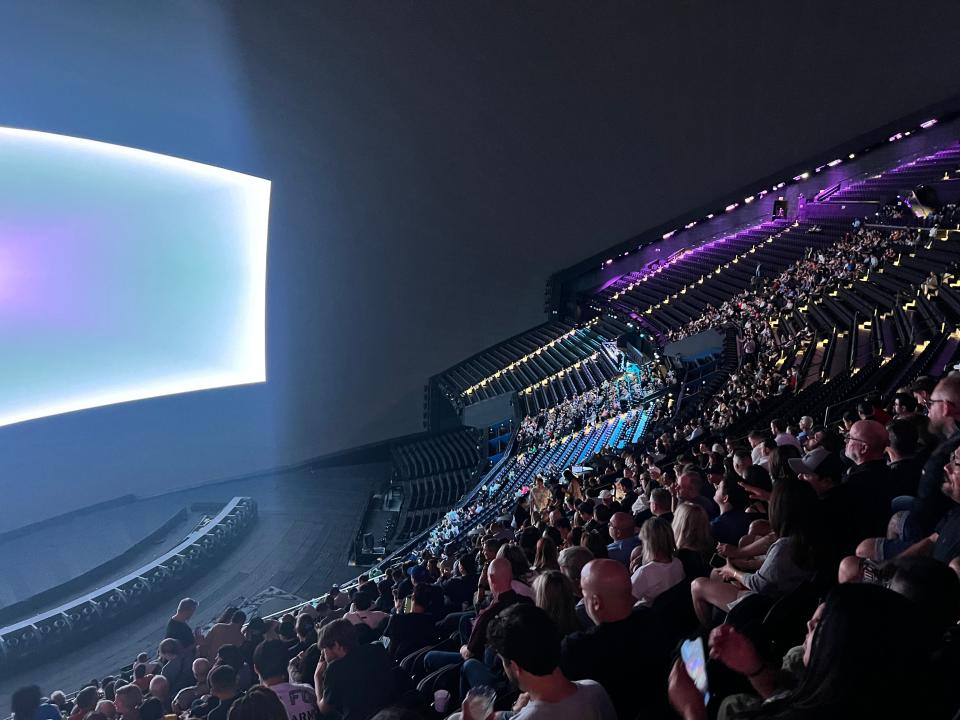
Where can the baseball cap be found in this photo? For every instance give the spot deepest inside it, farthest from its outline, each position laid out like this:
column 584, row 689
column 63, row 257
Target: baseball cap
column 924, row 383
column 418, row 573
column 604, row 494
column 818, row 461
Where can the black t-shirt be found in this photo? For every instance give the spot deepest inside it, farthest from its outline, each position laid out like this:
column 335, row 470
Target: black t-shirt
column 363, row 682
column 460, row 590
column 629, row 658
column 180, row 631
column 731, row 526
column 151, row 709
column 435, row 601
column 221, row 711
column 409, row 632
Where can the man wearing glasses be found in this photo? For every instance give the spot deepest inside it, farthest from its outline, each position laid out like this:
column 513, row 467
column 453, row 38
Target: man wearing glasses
column 930, row 504
column 869, row 479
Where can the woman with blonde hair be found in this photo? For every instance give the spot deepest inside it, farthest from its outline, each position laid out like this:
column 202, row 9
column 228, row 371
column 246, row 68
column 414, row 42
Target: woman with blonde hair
column 660, row 569
column 553, row 593
column 695, row 543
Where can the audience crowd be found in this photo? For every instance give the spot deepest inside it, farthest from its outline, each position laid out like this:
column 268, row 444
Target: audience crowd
column 802, row 571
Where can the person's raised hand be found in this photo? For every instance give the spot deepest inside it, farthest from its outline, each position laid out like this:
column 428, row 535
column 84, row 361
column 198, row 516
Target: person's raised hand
column 686, row 699
column 733, row 649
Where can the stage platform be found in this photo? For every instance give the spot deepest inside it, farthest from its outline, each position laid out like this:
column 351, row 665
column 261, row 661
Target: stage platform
column 299, row 546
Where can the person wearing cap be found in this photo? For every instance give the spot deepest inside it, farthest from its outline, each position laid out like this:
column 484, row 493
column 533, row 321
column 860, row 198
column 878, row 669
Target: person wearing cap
column 823, row 470
column 606, row 497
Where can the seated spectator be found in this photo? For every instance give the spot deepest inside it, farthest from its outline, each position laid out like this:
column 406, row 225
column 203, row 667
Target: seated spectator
column 792, row 559
column 411, row 631
column 864, row 646
column 778, row 427
column 179, row 630
column 177, row 665
column 572, row 561
column 660, row 569
column 27, row 704
column 128, row 699
column 85, row 702
column 733, row 521
column 500, row 577
column 460, row 588
column 270, row 663
column 869, row 478
column 223, row 686
column 140, row 676
column 753, row 476
column 260, row 703
column 906, row 462
column 695, row 543
column 233, row 656
column 184, row 699
column 361, row 612
column 624, row 534
column 546, row 556
column 553, row 593
column 528, row 646
column 522, row 576
column 355, row 680
column 690, row 487
column 419, row 575
column 609, row 652
column 106, row 708
column 160, row 690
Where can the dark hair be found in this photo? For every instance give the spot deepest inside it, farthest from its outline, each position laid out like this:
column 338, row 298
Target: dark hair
column 594, row 543
column 795, row 513
column 363, row 601
column 554, row 535
column 526, row 635
column 24, row 702
column 229, row 654
column 223, row 678
column 929, row 583
column 851, row 416
column 339, row 631
column 421, row 596
column 139, row 670
column 270, row 659
column 227, row 615
column 238, row 618
column 306, row 625
column 468, row 563
column 602, row 513
column 778, row 463
column 287, row 629
column 259, row 703
column 908, row 401
column 736, row 495
column 562, row 522
column 88, row 697
column 868, row 648
column 576, row 535
column 904, row 436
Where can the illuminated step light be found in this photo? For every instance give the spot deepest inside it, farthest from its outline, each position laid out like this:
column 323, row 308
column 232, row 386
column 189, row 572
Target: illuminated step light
column 928, row 123
column 834, row 163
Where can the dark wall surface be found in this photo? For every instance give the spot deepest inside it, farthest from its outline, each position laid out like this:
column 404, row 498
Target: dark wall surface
column 432, row 163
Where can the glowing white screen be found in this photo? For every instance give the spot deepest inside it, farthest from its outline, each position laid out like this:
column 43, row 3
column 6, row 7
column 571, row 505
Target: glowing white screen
column 124, row 275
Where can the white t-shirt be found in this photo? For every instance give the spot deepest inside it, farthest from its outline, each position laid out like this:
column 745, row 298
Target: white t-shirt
column 589, row 702
column 300, row 701
column 654, row 578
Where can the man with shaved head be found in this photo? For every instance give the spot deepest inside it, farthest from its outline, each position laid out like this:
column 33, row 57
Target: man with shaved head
column 624, row 535
column 499, row 576
column 930, row 505
column 868, row 483
column 624, row 651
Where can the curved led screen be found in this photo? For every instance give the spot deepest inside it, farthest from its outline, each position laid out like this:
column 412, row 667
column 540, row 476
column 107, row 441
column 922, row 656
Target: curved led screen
column 124, row 275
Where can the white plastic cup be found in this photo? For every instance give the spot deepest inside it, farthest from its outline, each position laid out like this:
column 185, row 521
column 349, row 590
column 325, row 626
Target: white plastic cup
column 441, row 699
